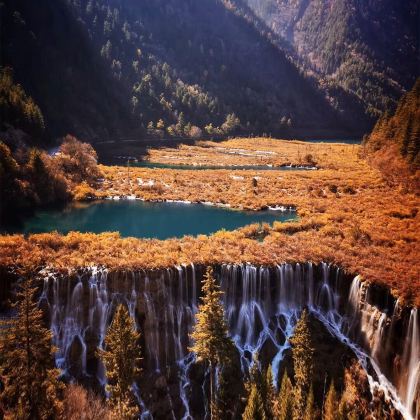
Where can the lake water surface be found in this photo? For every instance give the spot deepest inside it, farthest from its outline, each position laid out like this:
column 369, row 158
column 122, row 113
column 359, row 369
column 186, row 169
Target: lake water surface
column 145, row 219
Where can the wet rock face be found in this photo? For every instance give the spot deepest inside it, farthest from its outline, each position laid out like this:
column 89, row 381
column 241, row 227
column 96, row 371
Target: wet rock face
column 262, row 305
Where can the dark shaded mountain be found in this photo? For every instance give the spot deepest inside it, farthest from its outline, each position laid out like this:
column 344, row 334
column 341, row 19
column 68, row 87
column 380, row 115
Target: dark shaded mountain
column 368, row 48
column 204, row 60
column 105, row 69
column 51, row 57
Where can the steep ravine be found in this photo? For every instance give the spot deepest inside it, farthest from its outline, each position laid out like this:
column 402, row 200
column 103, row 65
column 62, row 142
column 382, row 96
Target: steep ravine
column 262, row 305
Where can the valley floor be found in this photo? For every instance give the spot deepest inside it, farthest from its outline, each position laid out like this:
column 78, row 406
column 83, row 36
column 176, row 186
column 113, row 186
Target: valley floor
column 348, row 215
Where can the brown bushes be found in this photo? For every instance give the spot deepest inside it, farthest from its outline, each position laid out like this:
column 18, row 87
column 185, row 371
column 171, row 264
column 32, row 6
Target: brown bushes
column 82, row 404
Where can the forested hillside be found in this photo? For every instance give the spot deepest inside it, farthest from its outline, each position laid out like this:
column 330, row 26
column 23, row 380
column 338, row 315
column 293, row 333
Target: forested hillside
column 202, row 60
column 109, row 69
column 21, row 120
column 52, row 59
column 367, row 48
column 400, row 130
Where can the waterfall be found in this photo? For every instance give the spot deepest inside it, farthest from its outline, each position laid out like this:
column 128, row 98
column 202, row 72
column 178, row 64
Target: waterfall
column 262, row 306
column 411, row 360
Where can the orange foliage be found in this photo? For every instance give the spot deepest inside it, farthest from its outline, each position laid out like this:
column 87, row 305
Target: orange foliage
column 347, row 216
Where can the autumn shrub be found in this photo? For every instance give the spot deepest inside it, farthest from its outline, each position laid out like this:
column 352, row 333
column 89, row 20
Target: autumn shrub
column 82, row 404
column 77, row 160
column 83, row 191
column 360, row 235
column 309, row 159
column 30, row 181
column 349, row 190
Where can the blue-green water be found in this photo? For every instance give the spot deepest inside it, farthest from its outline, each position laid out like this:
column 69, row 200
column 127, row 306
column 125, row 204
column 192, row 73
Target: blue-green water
column 145, row 220
column 148, row 164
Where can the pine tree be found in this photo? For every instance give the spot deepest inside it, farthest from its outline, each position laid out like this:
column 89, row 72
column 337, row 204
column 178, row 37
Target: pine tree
column 283, row 405
column 211, row 343
column 254, row 409
column 331, row 404
column 302, row 352
column 255, row 376
column 31, row 386
column 269, row 393
column 121, row 359
column 310, row 405
column 180, row 124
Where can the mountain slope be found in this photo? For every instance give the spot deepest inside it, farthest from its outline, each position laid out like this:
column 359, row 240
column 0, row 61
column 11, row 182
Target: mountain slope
column 116, row 68
column 51, row 57
column 109, row 69
column 201, row 59
column 368, row 48
column 400, row 130
column 20, row 117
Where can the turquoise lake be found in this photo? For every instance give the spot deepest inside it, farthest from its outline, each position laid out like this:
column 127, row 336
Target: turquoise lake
column 145, row 220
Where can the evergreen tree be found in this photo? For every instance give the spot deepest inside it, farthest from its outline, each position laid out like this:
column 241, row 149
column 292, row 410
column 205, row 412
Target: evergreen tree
column 254, row 409
column 282, row 408
column 331, row 404
column 31, row 386
column 302, row 352
column 180, row 124
column 121, row 359
column 269, row 393
column 255, row 376
column 310, row 406
column 211, row 343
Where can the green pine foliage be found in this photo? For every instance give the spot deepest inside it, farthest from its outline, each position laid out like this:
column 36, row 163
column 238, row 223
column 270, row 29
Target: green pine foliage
column 260, row 387
column 64, row 75
column 174, row 57
column 210, row 333
column 121, row 358
column 31, row 386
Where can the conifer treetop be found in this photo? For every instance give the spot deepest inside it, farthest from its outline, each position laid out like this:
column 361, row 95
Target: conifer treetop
column 210, row 335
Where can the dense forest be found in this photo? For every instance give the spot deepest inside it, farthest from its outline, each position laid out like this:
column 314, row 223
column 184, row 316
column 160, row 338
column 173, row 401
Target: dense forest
column 367, row 50
column 394, row 144
column 157, row 65
column 401, row 128
column 52, row 59
column 110, row 69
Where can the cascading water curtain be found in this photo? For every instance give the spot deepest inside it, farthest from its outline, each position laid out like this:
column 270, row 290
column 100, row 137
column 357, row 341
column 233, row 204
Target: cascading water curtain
column 262, row 307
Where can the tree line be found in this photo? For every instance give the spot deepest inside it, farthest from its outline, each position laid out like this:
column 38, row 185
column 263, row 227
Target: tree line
column 30, row 178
